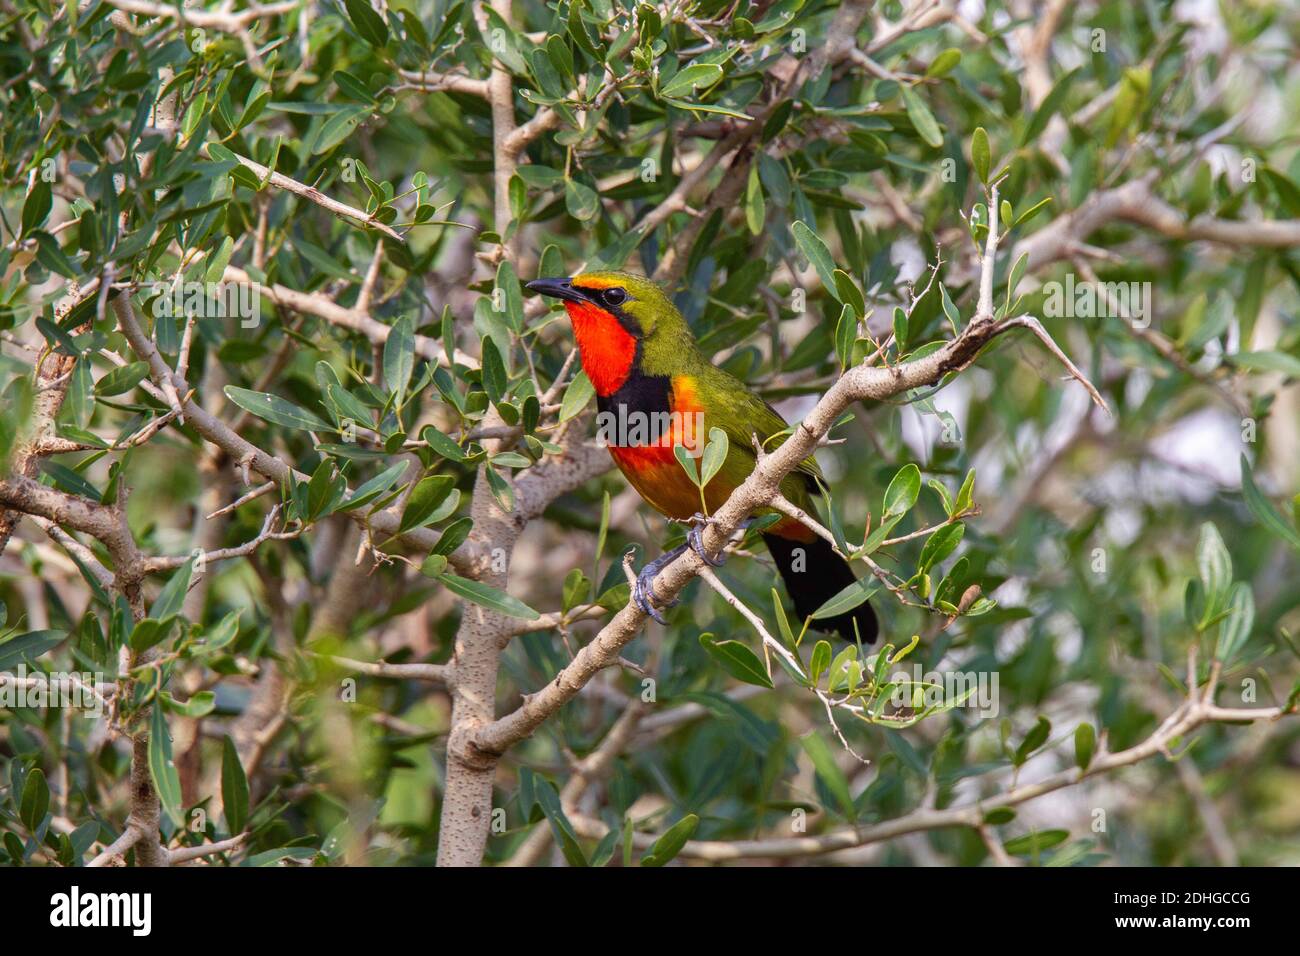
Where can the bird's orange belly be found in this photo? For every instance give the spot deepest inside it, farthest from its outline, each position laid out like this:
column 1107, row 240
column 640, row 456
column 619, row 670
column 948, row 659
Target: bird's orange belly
column 657, row 476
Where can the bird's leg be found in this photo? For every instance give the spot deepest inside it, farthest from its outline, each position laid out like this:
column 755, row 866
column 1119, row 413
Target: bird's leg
column 694, row 538
column 644, row 592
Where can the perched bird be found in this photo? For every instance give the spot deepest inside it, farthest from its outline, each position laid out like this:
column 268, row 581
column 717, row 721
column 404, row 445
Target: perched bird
column 645, row 365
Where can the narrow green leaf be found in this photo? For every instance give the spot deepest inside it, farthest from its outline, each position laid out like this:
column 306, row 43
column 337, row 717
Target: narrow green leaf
column 919, row 113
column 816, row 252
column 823, row 759
column 399, row 356
column 172, row 596
column 274, row 409
column 428, row 493
column 234, row 788
column 1085, row 743
column 671, row 843
column 690, row 78
column 847, row 599
column 1214, row 566
column 484, row 595
column 36, row 800
column 165, row 779
column 28, row 646
column 1036, row 737
column 980, row 155
column 1263, row 509
column 737, row 660
column 1235, row 628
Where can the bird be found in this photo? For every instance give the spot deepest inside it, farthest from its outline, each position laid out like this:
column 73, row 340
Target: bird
column 644, row 364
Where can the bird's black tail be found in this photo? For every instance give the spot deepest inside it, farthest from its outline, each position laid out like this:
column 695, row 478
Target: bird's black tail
column 813, row 574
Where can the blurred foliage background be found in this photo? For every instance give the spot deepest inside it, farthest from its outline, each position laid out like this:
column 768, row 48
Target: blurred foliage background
column 681, row 140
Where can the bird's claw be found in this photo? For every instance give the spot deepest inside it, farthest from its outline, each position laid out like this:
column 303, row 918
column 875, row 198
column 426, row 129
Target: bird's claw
column 644, row 593
column 696, row 541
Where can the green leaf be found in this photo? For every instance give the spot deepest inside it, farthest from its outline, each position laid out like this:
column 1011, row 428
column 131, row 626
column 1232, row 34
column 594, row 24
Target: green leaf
column 690, row 78
column 337, row 128
column 1036, row 737
column 823, row 759
column 901, row 324
column 369, row 24
column 846, row 333
column 275, row 409
column 1214, row 566
column 399, row 356
column 165, row 779
column 847, row 599
column 1033, row 843
column 671, row 843
column 850, row 294
column 502, row 490
column 28, row 646
column 903, row 490
column 172, row 596
column 816, row 252
column 200, row 704
column 549, row 800
column 150, row 631
column 755, row 207
column 944, row 63
column 121, row 379
column 980, row 155
column 494, row 372
column 376, row 486
column 1263, row 509
column 485, row 595
column 234, row 788
column 919, row 113
column 428, row 493
column 820, row 662
column 737, row 660
column 511, row 294
column 940, row 544
column 444, row 445
column 576, row 396
column 580, row 200
column 36, row 206
column 1085, row 744
column 1269, row 361
column 715, row 455
column 683, row 456
column 220, row 259
column 36, row 800
column 1235, row 628
column 1049, row 107
column 1014, row 276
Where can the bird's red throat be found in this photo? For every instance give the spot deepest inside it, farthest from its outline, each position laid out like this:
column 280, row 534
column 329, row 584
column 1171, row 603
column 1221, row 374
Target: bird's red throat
column 607, row 349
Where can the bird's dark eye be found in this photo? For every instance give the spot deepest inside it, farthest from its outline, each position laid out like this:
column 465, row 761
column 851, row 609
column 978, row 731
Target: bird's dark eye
column 615, row 296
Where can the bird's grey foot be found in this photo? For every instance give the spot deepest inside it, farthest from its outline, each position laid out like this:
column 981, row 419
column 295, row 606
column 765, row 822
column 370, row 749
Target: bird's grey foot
column 644, row 593
column 696, row 541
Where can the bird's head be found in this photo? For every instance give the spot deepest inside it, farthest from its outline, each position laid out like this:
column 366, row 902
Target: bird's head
column 635, row 302
column 618, row 317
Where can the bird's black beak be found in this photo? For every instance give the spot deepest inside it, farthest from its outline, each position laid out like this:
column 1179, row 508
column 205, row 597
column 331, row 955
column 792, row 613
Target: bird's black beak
column 559, row 289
